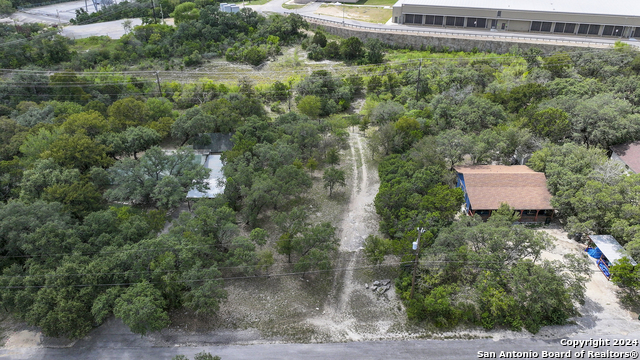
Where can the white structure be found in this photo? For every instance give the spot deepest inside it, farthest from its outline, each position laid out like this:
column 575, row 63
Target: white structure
column 580, row 17
column 215, row 179
column 230, row 8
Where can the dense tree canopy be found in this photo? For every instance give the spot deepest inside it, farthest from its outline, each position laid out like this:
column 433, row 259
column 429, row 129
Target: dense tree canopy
column 85, row 187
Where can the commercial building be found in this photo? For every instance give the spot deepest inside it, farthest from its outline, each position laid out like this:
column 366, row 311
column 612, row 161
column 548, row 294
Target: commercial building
column 486, row 187
column 579, row 17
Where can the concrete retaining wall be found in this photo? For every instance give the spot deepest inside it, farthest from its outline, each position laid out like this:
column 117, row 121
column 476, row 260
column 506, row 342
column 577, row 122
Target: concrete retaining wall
column 452, row 42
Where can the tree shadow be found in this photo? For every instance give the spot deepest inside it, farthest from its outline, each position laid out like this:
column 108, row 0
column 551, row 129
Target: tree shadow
column 629, row 299
column 340, row 196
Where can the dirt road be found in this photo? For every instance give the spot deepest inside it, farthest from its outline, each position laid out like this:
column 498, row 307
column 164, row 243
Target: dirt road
column 352, row 311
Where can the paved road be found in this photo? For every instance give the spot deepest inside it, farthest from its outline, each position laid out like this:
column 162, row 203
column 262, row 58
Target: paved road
column 414, row 349
column 275, row 6
column 112, row 29
column 51, row 14
column 63, row 12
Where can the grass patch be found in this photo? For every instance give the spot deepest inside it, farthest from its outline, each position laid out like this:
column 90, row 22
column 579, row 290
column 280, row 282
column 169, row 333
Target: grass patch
column 94, row 42
column 407, row 54
column 293, row 6
column 368, row 14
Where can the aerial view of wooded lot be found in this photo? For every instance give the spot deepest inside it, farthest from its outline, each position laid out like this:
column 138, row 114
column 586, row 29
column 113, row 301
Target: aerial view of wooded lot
column 340, row 178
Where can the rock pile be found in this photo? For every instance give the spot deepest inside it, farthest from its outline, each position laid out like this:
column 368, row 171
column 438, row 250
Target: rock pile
column 380, row 286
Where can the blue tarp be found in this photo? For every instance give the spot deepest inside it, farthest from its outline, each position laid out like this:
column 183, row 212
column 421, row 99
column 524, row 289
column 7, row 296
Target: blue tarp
column 594, row 253
column 604, row 269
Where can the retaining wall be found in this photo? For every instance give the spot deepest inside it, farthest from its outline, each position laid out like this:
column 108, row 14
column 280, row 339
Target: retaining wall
column 452, row 42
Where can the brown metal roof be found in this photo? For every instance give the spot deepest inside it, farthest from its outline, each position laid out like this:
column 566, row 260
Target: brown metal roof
column 630, row 154
column 488, row 186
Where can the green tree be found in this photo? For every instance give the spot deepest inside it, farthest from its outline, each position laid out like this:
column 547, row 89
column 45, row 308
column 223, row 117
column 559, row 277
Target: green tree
column 6, row 8
column 255, row 55
column 624, row 274
column 333, row 177
column 186, row 11
column 35, row 115
column 375, row 51
column 388, row 111
column 141, row 308
column 191, row 124
column 144, row 181
column 375, row 249
column 77, row 151
column 603, row 120
column 80, row 198
column 550, row 123
column 90, row 123
column 168, row 193
column 315, row 248
column 310, row 105
column 452, row 145
column 319, row 39
column 138, row 139
column 351, row 49
column 127, row 112
column 159, row 108
column 333, row 157
column 332, row 50
column 11, row 137
column 558, row 64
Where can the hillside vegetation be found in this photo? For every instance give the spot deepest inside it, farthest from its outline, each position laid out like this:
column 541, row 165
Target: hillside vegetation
column 87, row 189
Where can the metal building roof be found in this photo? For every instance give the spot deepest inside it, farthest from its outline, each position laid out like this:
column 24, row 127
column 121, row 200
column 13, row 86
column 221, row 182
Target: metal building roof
column 219, row 142
column 213, row 163
column 591, row 7
column 610, row 248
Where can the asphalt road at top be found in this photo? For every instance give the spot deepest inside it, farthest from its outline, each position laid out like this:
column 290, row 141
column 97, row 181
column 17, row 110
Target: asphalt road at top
column 63, row 12
column 415, row 349
column 275, row 6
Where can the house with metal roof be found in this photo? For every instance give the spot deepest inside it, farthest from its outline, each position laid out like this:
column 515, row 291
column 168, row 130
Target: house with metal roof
column 208, row 153
column 628, row 154
column 562, row 17
column 486, row 187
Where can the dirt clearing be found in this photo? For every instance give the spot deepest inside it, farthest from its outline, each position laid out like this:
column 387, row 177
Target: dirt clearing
column 602, row 312
column 372, row 14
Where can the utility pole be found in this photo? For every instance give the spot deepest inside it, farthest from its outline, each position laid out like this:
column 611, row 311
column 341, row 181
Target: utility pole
column 155, row 20
column 416, row 246
column 158, row 81
column 289, row 93
column 418, row 83
column 86, row 6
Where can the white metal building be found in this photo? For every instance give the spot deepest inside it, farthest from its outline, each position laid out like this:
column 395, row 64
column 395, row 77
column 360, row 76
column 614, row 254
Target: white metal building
column 580, row 17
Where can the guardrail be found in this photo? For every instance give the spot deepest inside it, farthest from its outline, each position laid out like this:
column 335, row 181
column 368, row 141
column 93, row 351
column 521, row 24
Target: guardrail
column 423, row 32
column 29, row 6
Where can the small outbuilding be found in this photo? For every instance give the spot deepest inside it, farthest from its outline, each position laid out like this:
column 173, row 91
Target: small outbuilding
column 628, row 154
column 486, row 187
column 606, row 250
column 208, row 150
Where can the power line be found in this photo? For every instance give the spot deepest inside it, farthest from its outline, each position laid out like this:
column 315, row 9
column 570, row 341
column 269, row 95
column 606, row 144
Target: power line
column 347, row 268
